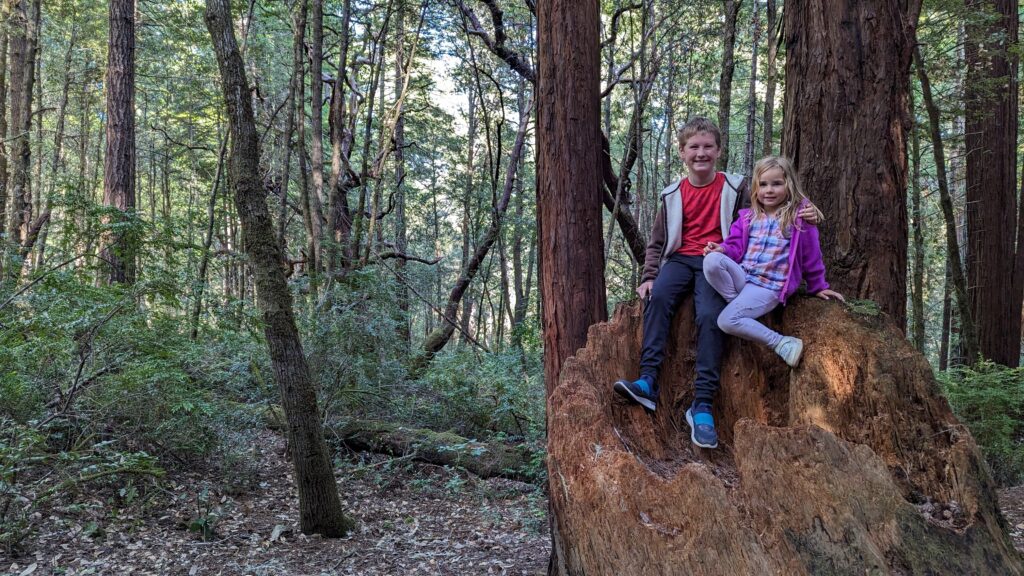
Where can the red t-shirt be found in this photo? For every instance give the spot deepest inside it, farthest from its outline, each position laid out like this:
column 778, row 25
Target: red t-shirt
column 701, row 219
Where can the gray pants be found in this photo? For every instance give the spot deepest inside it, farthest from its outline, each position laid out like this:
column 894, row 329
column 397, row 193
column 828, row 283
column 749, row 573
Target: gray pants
column 746, row 301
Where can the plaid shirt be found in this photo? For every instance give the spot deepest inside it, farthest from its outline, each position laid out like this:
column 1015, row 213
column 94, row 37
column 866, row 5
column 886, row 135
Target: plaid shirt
column 766, row 261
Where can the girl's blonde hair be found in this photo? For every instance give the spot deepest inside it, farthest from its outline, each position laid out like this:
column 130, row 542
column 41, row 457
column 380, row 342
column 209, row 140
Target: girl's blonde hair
column 786, row 213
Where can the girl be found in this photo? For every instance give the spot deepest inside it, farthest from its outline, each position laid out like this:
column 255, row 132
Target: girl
column 768, row 252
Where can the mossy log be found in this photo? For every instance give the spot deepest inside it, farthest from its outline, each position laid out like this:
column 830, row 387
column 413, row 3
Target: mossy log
column 485, row 459
column 852, row 463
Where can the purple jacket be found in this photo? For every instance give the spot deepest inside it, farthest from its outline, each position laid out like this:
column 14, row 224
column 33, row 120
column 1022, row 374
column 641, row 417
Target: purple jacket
column 804, row 254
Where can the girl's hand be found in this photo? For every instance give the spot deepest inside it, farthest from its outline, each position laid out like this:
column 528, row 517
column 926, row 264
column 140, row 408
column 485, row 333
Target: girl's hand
column 829, row 294
column 644, row 290
column 808, row 214
column 713, row 247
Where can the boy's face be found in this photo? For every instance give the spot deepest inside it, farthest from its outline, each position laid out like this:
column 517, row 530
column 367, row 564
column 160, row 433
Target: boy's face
column 700, row 152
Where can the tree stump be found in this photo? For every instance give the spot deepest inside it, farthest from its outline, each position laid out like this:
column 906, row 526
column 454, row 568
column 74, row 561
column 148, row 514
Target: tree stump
column 852, row 463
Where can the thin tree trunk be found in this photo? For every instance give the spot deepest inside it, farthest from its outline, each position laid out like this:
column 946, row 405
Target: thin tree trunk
column 119, row 161
column 917, row 293
column 771, row 77
column 748, row 150
column 4, row 43
column 401, row 240
column 294, row 108
column 947, row 319
column 204, row 262
column 339, row 216
column 732, row 11
column 316, row 88
column 437, row 339
column 56, row 164
column 968, row 333
column 319, row 505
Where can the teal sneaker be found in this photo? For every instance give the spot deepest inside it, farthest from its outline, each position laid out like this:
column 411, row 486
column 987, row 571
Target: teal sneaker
column 641, row 391
column 702, row 425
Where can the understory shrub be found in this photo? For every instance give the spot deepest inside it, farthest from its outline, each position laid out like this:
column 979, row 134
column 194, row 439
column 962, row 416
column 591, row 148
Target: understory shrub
column 989, row 400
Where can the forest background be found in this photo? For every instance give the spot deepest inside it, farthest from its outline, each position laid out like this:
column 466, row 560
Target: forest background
column 397, row 157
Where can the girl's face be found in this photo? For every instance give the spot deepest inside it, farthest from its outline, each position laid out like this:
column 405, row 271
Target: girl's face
column 771, row 189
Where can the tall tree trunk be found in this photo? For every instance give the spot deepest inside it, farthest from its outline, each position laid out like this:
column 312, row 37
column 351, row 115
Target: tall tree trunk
column 991, row 100
column 401, row 240
column 4, row 44
column 748, row 150
column 770, row 76
column 319, row 506
column 732, row 12
column 57, row 161
column 947, row 320
column 568, row 213
column 119, row 162
column 316, row 90
column 968, row 333
column 18, row 23
column 842, row 98
column 437, row 339
column 339, row 215
column 294, row 109
column 917, row 293
column 204, row 261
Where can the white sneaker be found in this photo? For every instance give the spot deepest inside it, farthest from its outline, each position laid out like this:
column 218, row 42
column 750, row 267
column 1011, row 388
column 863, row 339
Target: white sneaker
column 790, row 349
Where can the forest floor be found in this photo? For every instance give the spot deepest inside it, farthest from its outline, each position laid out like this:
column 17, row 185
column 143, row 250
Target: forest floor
column 412, row 519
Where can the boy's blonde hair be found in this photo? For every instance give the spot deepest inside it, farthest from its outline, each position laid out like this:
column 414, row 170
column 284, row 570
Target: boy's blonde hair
column 786, row 213
column 695, row 126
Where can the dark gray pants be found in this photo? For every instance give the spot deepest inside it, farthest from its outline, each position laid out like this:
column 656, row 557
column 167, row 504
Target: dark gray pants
column 679, row 275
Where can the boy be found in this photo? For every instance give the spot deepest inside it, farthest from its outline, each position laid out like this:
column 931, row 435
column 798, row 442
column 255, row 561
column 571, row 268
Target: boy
column 696, row 210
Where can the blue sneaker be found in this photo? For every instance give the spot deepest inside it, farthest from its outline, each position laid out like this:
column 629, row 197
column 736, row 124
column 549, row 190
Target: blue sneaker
column 641, row 391
column 702, row 425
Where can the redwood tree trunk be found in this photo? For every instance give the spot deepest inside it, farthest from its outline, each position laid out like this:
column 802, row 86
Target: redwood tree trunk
column 990, row 93
column 568, row 200
column 319, row 506
column 846, row 123
column 119, row 161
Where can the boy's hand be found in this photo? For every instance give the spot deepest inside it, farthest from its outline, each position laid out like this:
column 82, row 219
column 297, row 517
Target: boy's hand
column 829, row 294
column 713, row 247
column 808, row 214
column 644, row 290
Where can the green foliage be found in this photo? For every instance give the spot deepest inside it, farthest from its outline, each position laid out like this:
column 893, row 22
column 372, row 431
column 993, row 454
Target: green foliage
column 989, row 399
column 478, row 394
column 33, row 474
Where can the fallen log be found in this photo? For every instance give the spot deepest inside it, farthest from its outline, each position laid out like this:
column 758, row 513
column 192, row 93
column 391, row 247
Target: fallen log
column 485, row 459
column 852, row 463
column 515, row 461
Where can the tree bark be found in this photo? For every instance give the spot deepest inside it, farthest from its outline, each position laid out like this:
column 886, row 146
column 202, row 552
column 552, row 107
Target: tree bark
column 319, row 506
column 119, row 246
column 851, row 464
column 732, row 12
column 991, row 100
column 968, row 332
column 845, row 99
column 19, row 97
column 568, row 214
column 339, row 214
